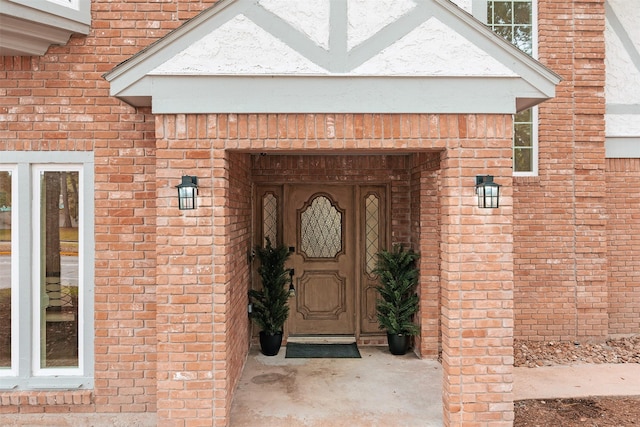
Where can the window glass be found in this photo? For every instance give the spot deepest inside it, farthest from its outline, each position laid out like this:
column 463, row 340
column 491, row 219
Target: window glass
column 501, row 12
column 522, row 13
column 5, row 269
column 513, row 20
column 523, row 141
column 59, row 265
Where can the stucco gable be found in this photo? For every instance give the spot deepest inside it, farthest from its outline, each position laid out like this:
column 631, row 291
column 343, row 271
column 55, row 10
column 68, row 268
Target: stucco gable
column 442, row 50
column 332, row 55
column 254, row 51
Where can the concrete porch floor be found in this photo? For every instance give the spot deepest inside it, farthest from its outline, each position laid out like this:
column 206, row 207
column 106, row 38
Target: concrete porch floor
column 377, row 390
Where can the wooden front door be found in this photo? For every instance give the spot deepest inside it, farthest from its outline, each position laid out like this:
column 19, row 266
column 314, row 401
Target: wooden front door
column 319, row 225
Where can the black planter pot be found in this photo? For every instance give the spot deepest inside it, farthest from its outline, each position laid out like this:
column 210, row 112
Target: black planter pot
column 270, row 344
column 398, row 343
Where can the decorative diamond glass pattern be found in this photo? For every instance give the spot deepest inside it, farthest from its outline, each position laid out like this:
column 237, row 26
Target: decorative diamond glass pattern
column 321, row 229
column 270, row 218
column 372, row 233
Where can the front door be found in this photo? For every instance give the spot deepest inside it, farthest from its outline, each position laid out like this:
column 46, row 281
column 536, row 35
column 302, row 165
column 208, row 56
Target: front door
column 320, row 221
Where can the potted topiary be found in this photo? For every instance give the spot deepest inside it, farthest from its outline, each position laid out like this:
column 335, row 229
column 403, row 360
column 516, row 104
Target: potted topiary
column 398, row 276
column 269, row 304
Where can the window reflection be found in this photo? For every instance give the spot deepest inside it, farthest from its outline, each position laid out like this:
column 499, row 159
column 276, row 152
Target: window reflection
column 59, row 269
column 5, row 269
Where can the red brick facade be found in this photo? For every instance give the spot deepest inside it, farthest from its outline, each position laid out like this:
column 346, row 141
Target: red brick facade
column 559, row 259
column 623, row 245
column 560, row 216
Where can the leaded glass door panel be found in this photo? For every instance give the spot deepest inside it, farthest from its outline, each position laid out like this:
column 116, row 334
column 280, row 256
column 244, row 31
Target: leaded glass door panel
column 320, row 220
column 373, row 238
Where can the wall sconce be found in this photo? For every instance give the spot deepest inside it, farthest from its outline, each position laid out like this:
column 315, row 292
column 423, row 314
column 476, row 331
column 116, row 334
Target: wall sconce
column 187, row 192
column 488, row 192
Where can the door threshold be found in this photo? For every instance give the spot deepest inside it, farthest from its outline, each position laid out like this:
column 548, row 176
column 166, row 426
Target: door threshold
column 321, row 339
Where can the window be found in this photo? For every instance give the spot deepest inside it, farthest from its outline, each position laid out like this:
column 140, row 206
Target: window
column 525, row 155
column 46, row 270
column 515, row 21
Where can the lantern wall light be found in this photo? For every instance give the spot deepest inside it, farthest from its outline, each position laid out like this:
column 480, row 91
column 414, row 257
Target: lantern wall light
column 488, row 192
column 187, row 192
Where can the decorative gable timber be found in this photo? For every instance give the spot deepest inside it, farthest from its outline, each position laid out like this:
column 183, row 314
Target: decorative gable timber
column 340, row 56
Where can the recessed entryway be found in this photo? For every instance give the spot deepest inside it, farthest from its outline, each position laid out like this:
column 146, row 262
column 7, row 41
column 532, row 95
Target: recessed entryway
column 334, row 224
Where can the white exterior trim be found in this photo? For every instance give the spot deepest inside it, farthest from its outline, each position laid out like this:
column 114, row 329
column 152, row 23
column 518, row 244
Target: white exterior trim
column 335, row 95
column 622, row 148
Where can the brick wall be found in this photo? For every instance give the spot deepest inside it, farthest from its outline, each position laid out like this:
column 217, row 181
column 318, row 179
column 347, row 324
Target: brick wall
column 239, row 227
column 623, row 230
column 125, row 336
column 425, row 235
column 560, row 215
column 54, row 103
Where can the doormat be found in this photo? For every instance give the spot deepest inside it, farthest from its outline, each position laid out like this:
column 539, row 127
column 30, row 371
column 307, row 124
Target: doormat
column 322, row 351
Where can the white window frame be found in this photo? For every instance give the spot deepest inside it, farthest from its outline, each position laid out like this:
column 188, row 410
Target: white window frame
column 25, row 372
column 479, row 11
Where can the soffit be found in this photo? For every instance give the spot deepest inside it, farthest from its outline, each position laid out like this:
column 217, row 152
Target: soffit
column 333, row 56
column 28, row 28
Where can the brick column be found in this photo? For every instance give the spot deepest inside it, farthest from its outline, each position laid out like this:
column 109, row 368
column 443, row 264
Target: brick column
column 590, row 188
column 566, row 258
column 185, row 287
column 477, row 277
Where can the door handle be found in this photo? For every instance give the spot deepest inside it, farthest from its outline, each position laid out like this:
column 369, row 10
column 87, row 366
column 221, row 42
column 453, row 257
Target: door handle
column 292, row 289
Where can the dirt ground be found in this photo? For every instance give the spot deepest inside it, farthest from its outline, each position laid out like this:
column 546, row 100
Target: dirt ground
column 586, row 412
column 623, row 411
